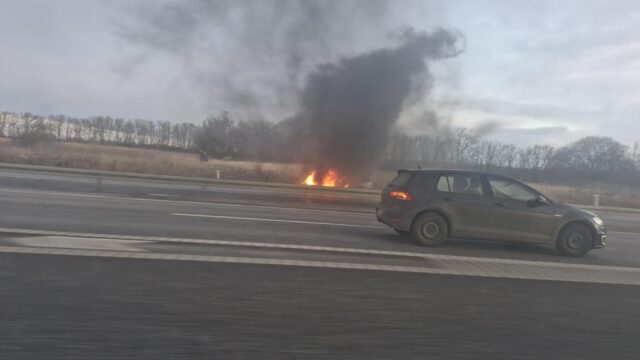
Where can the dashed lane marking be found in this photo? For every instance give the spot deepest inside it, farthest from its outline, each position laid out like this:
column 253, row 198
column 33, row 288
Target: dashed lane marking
column 278, row 220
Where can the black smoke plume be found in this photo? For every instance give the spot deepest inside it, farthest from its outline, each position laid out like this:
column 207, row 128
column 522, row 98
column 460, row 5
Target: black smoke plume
column 348, row 108
column 249, row 57
column 258, row 59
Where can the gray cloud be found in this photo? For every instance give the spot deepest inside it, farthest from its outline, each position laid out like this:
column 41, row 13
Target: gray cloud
column 553, row 135
column 571, row 63
column 512, row 108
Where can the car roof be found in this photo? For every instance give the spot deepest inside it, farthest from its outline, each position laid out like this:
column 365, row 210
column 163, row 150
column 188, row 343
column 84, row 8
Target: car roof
column 454, row 171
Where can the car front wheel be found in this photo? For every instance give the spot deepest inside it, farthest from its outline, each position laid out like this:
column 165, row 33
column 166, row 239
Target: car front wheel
column 575, row 241
column 430, row 229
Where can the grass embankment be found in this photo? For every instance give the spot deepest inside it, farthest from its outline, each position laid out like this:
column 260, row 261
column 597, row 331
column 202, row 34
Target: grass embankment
column 144, row 161
column 161, row 162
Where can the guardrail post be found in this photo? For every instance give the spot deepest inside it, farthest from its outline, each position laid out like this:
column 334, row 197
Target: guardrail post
column 217, row 174
column 596, row 200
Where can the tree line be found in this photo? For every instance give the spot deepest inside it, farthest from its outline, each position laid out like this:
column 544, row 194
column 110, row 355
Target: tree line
column 28, row 128
column 591, row 159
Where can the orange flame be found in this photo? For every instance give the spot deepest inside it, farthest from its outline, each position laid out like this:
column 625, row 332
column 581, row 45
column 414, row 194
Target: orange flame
column 330, row 178
column 311, row 179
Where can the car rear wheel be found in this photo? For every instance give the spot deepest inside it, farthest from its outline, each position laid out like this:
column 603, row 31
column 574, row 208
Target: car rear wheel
column 575, row 241
column 430, row 229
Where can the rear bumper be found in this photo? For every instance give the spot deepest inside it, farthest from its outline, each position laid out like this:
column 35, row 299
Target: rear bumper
column 391, row 218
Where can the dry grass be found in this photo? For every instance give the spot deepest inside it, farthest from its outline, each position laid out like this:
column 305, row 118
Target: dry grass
column 609, row 195
column 145, row 161
column 159, row 162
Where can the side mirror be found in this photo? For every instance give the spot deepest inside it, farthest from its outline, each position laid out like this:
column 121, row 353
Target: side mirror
column 539, row 201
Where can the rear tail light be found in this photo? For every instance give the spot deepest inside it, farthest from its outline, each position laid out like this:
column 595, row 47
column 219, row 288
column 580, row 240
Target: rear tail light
column 400, row 195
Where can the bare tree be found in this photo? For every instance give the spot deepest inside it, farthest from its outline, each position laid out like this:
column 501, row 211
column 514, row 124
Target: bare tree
column 635, row 153
column 524, row 158
column 73, row 130
column 492, row 154
column 594, row 159
column 183, row 135
column 4, row 121
column 511, row 154
column 117, row 127
column 463, row 140
column 164, row 128
column 58, row 125
column 129, row 131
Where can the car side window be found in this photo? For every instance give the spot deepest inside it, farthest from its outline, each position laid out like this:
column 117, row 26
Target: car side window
column 460, row 184
column 509, row 189
column 443, row 184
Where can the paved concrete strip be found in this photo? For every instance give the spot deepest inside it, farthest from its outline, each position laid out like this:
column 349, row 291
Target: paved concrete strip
column 74, row 242
column 427, row 256
column 182, row 202
column 278, row 220
column 215, row 242
column 467, row 267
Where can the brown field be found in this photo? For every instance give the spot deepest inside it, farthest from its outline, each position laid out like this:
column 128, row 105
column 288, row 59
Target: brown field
column 144, row 161
column 160, row 162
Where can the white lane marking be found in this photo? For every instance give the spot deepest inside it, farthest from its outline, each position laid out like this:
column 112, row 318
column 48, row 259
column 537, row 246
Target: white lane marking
column 279, row 220
column 72, row 242
column 427, row 256
column 214, row 242
column 124, row 198
column 467, row 268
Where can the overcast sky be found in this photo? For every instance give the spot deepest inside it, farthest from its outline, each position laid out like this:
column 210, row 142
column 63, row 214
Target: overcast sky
column 532, row 72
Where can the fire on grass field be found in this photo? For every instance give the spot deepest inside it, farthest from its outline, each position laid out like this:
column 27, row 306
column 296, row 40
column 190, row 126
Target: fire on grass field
column 328, row 178
column 160, row 162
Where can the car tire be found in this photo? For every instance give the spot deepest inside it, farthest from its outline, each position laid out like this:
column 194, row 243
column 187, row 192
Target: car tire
column 575, row 240
column 430, row 229
column 401, row 232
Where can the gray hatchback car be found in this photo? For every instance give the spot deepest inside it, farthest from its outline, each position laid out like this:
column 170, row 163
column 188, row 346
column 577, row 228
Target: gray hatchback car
column 434, row 205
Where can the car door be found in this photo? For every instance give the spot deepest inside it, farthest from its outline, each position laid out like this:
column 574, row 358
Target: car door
column 465, row 199
column 518, row 216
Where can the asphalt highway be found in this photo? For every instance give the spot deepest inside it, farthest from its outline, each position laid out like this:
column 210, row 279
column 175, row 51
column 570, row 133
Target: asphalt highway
column 141, row 269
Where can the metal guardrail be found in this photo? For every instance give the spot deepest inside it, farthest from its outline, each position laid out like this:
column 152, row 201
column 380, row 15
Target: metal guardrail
column 99, row 174
column 608, row 209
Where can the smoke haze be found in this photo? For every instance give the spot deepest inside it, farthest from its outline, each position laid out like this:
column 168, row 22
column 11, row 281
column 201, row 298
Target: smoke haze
column 266, row 59
column 250, row 57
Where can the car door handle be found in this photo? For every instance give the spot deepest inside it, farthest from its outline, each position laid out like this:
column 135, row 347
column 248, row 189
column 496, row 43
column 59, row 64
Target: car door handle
column 449, row 198
column 502, row 205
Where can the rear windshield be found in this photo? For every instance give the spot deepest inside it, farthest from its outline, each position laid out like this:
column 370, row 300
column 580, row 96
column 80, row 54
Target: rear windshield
column 402, row 179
